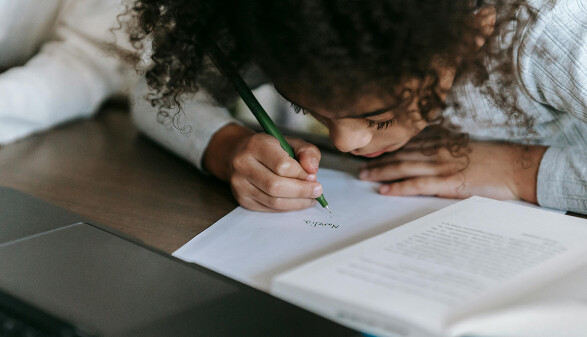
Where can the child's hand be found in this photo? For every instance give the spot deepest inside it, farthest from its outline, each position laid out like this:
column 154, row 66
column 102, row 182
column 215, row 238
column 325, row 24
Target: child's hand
column 262, row 175
column 495, row 170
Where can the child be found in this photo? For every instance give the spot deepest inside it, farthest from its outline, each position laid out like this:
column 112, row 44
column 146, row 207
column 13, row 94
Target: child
column 511, row 75
column 53, row 62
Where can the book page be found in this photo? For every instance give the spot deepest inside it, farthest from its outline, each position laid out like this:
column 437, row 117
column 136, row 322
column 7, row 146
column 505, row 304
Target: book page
column 253, row 247
column 426, row 271
column 559, row 306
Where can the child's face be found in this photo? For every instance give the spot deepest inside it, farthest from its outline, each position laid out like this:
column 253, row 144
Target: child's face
column 373, row 126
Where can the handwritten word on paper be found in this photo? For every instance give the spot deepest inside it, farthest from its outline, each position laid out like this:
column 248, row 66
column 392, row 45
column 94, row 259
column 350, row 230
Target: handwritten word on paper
column 318, row 224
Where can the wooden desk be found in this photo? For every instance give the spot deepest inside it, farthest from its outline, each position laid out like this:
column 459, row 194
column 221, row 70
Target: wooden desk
column 104, row 170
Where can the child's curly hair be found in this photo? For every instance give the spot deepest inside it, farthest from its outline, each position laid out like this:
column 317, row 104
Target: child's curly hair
column 332, row 51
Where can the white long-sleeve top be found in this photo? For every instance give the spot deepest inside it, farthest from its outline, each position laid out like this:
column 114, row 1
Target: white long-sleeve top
column 53, row 64
column 203, row 117
column 551, row 66
column 550, row 60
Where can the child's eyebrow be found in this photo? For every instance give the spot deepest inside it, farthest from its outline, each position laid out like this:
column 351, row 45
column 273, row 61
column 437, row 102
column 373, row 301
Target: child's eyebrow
column 352, row 115
column 373, row 113
column 355, row 115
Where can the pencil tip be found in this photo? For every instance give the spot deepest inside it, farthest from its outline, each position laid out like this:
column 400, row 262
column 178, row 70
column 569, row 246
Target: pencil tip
column 328, row 209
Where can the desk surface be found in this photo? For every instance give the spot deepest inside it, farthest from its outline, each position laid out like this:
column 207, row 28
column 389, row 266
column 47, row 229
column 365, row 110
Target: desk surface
column 104, row 170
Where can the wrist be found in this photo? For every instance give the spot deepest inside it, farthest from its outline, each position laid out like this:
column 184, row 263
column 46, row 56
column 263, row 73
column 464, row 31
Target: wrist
column 222, row 148
column 526, row 165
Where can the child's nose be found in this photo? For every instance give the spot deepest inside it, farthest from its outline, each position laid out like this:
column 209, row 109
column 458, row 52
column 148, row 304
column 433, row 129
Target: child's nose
column 347, row 138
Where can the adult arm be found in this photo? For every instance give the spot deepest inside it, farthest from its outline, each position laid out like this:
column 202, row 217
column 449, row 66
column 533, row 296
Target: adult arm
column 69, row 77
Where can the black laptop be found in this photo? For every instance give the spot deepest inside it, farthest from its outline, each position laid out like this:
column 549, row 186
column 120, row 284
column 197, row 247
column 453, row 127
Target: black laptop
column 63, row 275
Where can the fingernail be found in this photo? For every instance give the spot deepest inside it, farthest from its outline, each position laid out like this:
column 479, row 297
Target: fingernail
column 311, row 177
column 363, row 174
column 384, row 189
column 314, row 163
column 317, row 191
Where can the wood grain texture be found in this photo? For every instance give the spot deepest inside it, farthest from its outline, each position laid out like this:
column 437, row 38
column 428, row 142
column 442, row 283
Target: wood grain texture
column 105, row 170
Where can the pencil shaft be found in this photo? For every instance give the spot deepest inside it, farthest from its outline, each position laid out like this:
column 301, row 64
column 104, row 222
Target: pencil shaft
column 260, row 114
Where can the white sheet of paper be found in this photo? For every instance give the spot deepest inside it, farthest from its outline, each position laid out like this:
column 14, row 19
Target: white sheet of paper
column 253, row 247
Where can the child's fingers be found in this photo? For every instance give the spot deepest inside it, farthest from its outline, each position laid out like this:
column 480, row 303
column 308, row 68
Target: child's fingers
column 395, row 157
column 284, row 204
column 264, row 178
column 441, row 154
column 307, row 154
column 267, row 150
column 412, row 155
column 274, row 185
column 251, row 197
column 409, row 169
column 281, row 187
column 431, row 155
column 254, row 205
column 446, row 187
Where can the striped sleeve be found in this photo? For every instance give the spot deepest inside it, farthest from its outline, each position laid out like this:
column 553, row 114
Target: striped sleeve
column 552, row 62
column 552, row 57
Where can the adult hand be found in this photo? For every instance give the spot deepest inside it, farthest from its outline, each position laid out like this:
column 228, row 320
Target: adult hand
column 261, row 174
column 495, row 170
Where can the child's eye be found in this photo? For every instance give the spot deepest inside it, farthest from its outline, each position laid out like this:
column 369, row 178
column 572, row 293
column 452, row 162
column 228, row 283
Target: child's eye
column 298, row 109
column 381, row 125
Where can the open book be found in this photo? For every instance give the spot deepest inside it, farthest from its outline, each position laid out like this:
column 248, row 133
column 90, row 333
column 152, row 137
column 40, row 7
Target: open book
column 478, row 267
column 431, row 276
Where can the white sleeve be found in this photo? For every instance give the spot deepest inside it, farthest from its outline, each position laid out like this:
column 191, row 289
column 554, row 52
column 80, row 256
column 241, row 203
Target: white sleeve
column 190, row 135
column 562, row 182
column 552, row 59
column 69, row 77
column 553, row 68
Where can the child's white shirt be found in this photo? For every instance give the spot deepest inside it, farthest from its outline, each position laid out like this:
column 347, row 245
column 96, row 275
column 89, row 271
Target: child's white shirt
column 553, row 91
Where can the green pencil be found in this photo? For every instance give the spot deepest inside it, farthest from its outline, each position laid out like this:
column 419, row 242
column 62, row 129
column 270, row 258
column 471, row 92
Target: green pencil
column 255, row 107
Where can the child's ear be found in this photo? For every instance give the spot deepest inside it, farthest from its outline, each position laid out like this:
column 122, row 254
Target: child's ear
column 485, row 21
